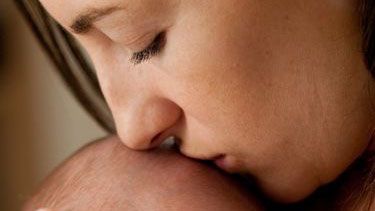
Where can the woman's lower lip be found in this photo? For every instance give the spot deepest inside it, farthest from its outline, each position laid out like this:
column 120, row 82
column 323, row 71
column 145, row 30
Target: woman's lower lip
column 229, row 164
column 222, row 163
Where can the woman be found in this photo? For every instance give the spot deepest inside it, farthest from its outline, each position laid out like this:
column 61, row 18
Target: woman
column 278, row 91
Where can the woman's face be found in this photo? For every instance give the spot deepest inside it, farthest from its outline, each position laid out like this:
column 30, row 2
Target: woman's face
column 277, row 87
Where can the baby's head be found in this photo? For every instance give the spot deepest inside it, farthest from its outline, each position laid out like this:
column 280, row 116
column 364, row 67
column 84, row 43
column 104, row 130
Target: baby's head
column 105, row 175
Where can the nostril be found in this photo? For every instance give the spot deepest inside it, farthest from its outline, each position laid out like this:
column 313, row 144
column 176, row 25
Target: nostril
column 177, row 141
column 176, row 144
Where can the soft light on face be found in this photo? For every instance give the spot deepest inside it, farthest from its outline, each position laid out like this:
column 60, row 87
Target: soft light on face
column 277, row 87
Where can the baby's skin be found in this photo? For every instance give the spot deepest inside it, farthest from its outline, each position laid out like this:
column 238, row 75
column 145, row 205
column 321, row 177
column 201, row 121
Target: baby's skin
column 105, row 175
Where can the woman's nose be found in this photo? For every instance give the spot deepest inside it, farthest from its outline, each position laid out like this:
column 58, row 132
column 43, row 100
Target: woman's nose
column 145, row 121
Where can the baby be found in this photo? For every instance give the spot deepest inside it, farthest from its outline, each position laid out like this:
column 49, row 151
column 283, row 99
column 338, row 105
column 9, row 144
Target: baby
column 105, row 175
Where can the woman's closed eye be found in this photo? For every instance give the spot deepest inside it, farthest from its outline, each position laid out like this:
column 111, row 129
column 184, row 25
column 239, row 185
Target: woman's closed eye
column 151, row 50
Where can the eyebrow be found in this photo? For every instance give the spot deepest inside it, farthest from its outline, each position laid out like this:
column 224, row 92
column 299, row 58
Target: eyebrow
column 83, row 22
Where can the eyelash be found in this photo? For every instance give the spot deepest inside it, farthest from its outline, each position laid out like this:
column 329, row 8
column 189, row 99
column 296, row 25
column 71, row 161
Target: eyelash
column 151, row 50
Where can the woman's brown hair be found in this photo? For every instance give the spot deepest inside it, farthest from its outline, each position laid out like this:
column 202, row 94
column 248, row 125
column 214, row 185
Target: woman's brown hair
column 366, row 199
column 79, row 75
column 367, row 9
column 70, row 61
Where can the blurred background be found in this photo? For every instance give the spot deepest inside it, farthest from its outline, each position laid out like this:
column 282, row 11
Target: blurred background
column 40, row 122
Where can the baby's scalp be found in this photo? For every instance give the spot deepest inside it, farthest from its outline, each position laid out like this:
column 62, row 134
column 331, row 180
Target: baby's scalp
column 106, row 175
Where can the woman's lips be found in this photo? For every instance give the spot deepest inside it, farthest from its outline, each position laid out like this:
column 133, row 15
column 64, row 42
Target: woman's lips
column 224, row 163
column 229, row 164
column 220, row 161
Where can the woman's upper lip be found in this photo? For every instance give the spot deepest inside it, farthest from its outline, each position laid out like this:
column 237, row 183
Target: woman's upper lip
column 217, row 157
column 209, row 158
